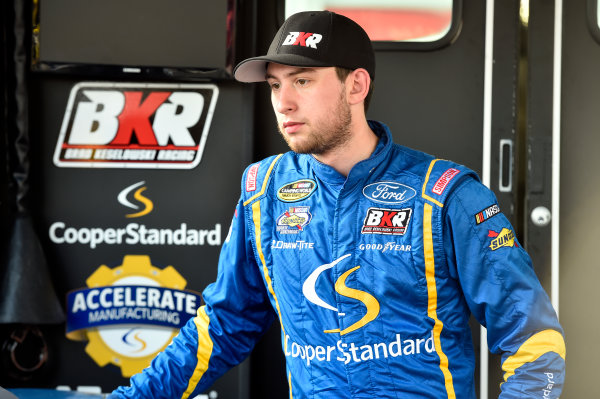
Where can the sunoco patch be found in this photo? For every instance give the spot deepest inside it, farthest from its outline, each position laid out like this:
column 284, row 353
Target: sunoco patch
column 506, row 238
column 296, row 191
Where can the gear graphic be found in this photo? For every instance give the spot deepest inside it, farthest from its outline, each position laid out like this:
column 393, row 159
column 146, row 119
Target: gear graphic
column 134, row 267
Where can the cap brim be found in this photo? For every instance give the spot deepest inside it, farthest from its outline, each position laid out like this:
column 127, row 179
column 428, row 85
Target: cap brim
column 255, row 69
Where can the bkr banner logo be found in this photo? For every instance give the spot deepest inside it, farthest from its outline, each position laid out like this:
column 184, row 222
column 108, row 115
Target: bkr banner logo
column 135, row 125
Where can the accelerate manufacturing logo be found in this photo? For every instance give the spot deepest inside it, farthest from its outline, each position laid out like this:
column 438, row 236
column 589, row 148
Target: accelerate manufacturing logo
column 135, row 125
column 129, row 313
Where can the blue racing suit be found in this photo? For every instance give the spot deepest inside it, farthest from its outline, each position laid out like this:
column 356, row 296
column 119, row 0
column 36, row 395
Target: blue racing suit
column 373, row 279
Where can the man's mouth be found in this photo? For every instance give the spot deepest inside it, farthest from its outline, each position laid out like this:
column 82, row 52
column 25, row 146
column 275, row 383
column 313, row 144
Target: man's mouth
column 291, row 127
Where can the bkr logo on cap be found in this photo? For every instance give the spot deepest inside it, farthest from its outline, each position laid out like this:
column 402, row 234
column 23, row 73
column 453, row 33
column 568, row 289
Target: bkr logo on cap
column 303, row 39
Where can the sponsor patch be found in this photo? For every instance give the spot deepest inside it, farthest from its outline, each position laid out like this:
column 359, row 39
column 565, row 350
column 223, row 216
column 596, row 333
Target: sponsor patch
column 294, row 220
column 506, row 238
column 387, row 192
column 487, row 213
column 297, row 190
column 386, row 221
column 387, row 247
column 298, row 244
column 135, row 125
column 251, row 177
column 443, row 181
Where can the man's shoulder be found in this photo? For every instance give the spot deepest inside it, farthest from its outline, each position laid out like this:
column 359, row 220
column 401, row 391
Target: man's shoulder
column 257, row 175
column 440, row 177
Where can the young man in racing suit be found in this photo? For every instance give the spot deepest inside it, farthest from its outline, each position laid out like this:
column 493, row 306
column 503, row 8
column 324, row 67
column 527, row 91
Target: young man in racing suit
column 372, row 256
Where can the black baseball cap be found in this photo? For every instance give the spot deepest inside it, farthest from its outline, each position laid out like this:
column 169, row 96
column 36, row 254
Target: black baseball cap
column 313, row 39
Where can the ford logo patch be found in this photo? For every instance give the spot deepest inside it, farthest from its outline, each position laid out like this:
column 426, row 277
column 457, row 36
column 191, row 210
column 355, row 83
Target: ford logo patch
column 387, row 192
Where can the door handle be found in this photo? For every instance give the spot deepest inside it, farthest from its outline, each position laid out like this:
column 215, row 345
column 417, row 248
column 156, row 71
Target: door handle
column 505, row 181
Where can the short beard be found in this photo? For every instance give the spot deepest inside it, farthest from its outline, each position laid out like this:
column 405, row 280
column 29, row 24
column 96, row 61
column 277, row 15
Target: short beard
column 328, row 136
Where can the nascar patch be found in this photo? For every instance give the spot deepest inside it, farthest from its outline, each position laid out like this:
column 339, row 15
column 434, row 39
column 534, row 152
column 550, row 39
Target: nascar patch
column 487, row 213
column 297, row 190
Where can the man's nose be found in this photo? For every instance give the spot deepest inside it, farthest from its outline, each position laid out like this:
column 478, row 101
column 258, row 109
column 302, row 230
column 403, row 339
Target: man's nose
column 285, row 100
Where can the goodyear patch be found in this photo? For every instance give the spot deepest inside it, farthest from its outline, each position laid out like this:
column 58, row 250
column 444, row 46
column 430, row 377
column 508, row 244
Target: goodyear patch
column 297, row 191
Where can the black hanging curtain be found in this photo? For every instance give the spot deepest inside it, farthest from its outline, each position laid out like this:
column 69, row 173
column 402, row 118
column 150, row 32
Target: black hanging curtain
column 27, row 295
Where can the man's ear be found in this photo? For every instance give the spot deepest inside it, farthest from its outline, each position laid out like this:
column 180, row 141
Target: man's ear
column 357, row 85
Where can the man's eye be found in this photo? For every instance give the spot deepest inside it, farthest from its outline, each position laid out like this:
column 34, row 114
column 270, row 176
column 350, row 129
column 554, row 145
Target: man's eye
column 302, row 82
column 275, row 86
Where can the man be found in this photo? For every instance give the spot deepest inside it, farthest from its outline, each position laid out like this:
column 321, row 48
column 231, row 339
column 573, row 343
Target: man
column 371, row 255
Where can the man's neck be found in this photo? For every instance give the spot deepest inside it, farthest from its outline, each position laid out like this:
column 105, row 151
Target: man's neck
column 359, row 147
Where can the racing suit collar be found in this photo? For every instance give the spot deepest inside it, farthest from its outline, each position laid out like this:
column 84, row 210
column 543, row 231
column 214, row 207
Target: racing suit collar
column 363, row 168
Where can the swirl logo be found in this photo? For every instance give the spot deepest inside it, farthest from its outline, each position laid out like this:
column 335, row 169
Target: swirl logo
column 147, row 204
column 370, row 302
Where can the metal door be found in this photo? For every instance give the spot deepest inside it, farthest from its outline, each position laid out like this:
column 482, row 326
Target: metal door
column 563, row 121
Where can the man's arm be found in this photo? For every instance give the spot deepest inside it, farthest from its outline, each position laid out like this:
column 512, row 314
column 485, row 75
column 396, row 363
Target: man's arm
column 223, row 333
column 504, row 293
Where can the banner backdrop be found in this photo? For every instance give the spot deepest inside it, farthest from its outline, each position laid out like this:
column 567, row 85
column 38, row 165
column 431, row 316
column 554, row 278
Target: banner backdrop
column 137, row 184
